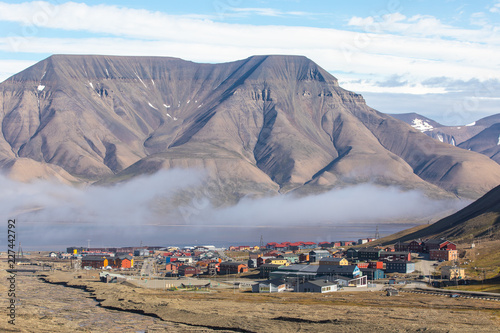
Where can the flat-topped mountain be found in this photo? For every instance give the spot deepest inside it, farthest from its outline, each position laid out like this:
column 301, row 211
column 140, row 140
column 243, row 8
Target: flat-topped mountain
column 262, row 125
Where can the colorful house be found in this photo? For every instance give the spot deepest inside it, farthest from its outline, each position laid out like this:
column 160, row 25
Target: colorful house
column 233, row 267
column 277, row 261
column 95, row 262
column 333, row 261
column 126, row 261
column 316, row 255
column 373, row 273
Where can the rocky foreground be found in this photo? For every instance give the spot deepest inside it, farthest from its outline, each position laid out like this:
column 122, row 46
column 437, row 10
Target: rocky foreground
column 41, row 309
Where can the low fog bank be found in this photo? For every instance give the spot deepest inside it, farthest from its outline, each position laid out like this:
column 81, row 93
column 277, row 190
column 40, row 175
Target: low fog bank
column 147, row 209
column 359, row 203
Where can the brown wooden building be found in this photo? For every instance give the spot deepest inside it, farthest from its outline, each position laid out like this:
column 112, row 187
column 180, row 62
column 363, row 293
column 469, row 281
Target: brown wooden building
column 233, row 268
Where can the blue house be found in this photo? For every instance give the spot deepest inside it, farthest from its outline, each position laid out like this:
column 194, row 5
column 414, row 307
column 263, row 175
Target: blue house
column 373, row 273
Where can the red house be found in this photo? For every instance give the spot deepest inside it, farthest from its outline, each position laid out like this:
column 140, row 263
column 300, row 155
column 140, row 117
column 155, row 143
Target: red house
column 415, row 246
column 271, row 245
column 186, row 270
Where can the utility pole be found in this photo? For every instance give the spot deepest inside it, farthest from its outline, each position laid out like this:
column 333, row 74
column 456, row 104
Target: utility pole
column 20, row 251
column 377, row 234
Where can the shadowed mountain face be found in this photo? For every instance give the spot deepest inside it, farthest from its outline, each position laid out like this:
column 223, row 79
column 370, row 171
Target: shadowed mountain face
column 479, row 219
column 487, row 142
column 262, row 125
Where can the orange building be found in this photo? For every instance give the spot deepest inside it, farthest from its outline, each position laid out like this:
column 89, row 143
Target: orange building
column 95, row 261
column 126, row 261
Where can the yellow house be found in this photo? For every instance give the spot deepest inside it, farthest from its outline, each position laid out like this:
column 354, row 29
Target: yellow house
column 277, row 261
column 452, row 272
column 334, row 261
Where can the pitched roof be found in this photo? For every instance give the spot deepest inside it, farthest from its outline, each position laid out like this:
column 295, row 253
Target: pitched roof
column 332, row 259
column 129, row 257
column 369, row 249
column 320, row 252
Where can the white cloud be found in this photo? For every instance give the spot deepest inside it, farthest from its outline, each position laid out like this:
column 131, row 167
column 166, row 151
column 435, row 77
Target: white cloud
column 51, row 213
column 394, row 44
column 268, row 12
column 427, row 26
column 364, row 86
column 10, row 67
column 495, row 8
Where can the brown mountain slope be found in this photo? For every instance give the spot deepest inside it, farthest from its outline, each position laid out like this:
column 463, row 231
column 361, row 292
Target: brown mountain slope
column 260, row 125
column 487, row 142
column 479, row 219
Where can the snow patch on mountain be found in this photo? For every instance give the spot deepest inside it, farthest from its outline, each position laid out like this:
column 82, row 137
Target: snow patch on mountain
column 40, row 88
column 421, row 125
column 471, row 124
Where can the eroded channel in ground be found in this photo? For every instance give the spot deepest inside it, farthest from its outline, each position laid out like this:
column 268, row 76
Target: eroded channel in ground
column 45, row 307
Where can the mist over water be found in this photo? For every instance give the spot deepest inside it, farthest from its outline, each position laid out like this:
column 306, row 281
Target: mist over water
column 52, row 215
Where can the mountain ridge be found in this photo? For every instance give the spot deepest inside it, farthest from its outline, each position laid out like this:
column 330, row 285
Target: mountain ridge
column 482, row 136
column 261, row 125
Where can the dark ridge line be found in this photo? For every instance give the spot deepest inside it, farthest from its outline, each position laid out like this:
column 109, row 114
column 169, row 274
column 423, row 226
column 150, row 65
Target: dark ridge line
column 307, row 321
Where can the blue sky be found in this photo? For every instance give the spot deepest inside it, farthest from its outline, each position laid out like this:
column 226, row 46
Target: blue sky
column 437, row 58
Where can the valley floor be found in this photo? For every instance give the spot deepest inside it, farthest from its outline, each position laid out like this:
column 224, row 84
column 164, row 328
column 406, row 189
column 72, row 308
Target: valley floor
column 53, row 307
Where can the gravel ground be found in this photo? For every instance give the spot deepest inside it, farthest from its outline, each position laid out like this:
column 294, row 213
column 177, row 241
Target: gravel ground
column 54, row 307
